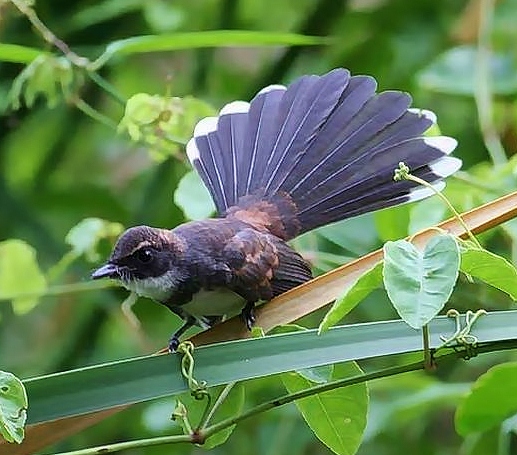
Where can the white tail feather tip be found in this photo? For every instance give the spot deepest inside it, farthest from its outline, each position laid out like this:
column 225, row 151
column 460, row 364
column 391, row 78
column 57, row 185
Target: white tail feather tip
column 192, row 150
column 270, row 88
column 445, row 166
column 445, row 144
column 235, row 107
column 205, row 126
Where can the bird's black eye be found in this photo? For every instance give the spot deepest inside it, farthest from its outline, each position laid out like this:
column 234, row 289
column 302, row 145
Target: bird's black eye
column 145, row 255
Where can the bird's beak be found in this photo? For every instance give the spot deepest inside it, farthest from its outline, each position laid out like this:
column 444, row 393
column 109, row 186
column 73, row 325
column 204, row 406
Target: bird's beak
column 108, row 270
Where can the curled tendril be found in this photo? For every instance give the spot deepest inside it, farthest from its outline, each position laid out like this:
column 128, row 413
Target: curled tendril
column 198, row 389
column 462, row 335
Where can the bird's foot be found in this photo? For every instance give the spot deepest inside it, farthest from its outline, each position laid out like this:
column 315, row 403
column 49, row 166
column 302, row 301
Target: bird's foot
column 174, row 342
column 248, row 315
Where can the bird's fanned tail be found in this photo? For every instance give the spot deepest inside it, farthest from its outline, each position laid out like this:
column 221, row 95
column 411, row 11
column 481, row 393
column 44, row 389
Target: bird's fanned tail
column 321, row 150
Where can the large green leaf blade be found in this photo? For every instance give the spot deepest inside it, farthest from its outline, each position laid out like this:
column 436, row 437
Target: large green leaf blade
column 139, row 379
column 13, row 407
column 492, row 399
column 337, row 417
column 419, row 283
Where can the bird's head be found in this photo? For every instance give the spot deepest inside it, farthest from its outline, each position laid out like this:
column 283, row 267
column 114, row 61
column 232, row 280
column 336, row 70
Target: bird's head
column 144, row 260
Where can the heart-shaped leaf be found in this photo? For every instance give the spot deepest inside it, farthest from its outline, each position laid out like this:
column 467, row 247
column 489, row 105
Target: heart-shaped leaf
column 419, row 283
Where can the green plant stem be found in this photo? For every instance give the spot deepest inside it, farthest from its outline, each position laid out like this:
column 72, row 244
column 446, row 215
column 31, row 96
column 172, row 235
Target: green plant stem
column 220, row 400
column 93, row 113
column 449, row 205
column 62, row 289
column 428, row 361
column 482, row 91
column 107, row 87
column 119, row 446
column 47, row 34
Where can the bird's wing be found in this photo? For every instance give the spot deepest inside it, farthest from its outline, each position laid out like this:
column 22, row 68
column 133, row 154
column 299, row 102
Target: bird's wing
column 263, row 266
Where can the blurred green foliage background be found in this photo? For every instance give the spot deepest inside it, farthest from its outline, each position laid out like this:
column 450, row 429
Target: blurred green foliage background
column 59, row 166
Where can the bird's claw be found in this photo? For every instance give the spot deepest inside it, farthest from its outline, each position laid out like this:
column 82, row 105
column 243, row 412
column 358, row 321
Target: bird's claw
column 248, row 315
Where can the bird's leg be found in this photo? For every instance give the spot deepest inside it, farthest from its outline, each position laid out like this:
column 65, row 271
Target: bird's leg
column 248, row 315
column 175, row 338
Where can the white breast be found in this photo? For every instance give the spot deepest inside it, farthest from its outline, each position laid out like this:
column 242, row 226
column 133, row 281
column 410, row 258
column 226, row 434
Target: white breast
column 218, row 302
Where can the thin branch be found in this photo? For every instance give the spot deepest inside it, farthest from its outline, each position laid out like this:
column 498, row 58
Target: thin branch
column 220, row 400
column 84, row 107
column 107, row 87
column 47, row 34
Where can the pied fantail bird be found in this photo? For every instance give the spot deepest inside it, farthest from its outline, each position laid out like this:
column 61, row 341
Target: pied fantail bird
column 295, row 158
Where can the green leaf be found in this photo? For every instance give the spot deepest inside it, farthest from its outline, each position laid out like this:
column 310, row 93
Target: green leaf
column 337, row 417
column 420, row 283
column 454, row 72
column 85, row 236
column 21, row 279
column 18, row 54
column 13, row 408
column 193, row 198
column 193, row 40
column 489, row 268
column 492, row 399
column 365, row 284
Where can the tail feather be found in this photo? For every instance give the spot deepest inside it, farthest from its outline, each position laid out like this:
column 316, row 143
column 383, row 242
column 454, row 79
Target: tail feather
column 360, row 185
column 308, row 105
column 354, row 144
column 260, row 133
column 327, row 144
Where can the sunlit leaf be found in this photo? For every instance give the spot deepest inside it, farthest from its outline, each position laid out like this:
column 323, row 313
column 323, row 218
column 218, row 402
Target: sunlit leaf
column 13, row 408
column 20, row 274
column 337, row 417
column 419, row 283
column 489, row 268
column 362, row 287
column 85, row 236
column 492, row 399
